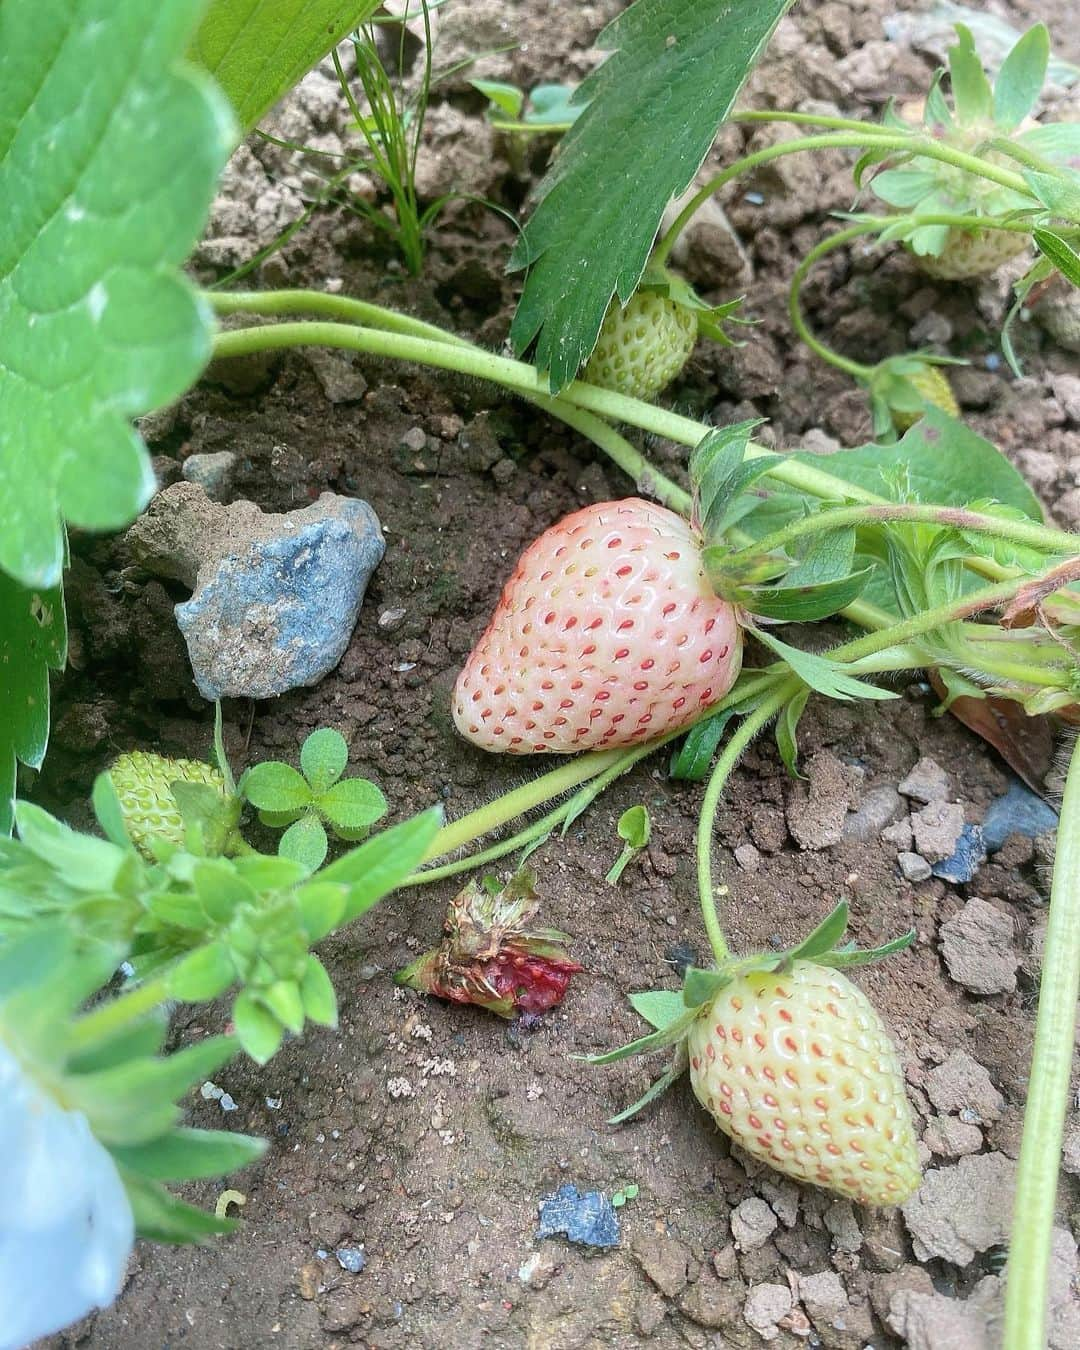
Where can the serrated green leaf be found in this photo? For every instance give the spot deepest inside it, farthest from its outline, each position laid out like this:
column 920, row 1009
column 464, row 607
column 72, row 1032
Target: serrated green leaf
column 973, row 98
column 109, row 153
column 276, row 787
column 258, row 49
column 824, row 937
column 376, row 867
column 692, row 759
column 659, row 1007
column 257, row 1029
column 190, row 1155
column 317, row 992
column 160, row 1217
column 825, row 676
column 203, row 974
column 352, row 804
column 1060, row 252
column 1021, row 77
column 323, row 758
column 651, row 113
column 33, row 641
column 305, row 842
column 719, row 472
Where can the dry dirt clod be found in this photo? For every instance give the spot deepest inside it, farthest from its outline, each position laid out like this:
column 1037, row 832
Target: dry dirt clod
column 927, row 782
column 913, row 866
column 874, row 810
column 978, row 949
column 951, row 1137
column 764, row 1308
column 752, row 1224
column 962, row 1210
column 937, row 829
column 665, row 1261
column 960, row 1084
column 817, row 808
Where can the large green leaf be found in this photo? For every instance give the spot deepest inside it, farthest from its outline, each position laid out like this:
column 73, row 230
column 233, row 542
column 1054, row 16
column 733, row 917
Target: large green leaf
column 33, row 639
column 653, row 110
column 258, row 49
column 109, row 152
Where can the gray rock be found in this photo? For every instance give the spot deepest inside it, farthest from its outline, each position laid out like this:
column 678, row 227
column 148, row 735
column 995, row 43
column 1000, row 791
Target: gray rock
column 748, row 857
column 337, row 373
column 1019, row 811
column 275, row 597
column 966, row 859
column 962, row 1210
column 927, row 782
column 841, row 1222
column 899, row 835
column 937, row 828
column 212, row 472
column 977, row 945
column 765, row 1306
column 934, row 1322
column 817, row 808
column 951, row 1137
column 1070, row 1151
column 914, row 866
column 587, row 1219
column 352, row 1259
column 875, row 809
column 752, row 1224
column 962, row 1084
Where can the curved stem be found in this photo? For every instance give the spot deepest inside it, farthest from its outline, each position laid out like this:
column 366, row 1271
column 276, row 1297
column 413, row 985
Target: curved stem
column 747, row 729
column 1026, row 532
column 1048, row 1087
column 798, row 320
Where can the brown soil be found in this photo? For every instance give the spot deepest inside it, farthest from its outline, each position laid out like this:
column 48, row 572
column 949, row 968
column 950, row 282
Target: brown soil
column 441, row 1185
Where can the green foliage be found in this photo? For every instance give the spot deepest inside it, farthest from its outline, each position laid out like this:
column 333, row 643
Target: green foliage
column 546, row 108
column 97, row 323
column 309, row 801
column 107, row 1064
column 33, row 641
column 257, row 50
column 650, row 114
column 634, row 828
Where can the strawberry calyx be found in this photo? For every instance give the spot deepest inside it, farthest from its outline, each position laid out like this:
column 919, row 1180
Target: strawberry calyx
column 673, row 1013
column 902, row 387
column 710, row 318
column 491, row 955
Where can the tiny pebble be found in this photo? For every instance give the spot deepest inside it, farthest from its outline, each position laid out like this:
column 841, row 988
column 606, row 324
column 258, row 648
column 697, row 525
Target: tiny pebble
column 390, row 619
column 754, row 198
column 913, row 866
column 351, row 1259
column 210, row 1092
column 226, row 1102
column 273, row 1103
column 402, row 667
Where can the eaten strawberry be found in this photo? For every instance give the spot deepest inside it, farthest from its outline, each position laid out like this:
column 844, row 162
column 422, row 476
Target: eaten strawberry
column 607, row 634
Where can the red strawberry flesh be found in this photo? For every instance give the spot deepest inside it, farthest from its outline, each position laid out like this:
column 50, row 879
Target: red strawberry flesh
column 606, row 634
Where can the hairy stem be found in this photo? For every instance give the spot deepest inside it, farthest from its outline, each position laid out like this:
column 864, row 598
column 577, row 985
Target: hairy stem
column 1048, row 1088
column 747, row 729
column 1026, row 532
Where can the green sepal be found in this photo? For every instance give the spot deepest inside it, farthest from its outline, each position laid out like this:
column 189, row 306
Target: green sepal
column 973, row 99
column 719, row 472
column 825, row 676
column 854, row 956
column 824, row 937
column 190, row 1155
column 702, row 986
column 667, row 1079
column 787, row 723
column 659, row 1007
column 1021, row 77
column 160, row 1217
column 656, row 1040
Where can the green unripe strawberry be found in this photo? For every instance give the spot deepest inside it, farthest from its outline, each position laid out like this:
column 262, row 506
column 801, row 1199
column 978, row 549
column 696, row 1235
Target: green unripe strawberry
column 798, row 1069
column 935, row 389
column 643, row 345
column 143, row 785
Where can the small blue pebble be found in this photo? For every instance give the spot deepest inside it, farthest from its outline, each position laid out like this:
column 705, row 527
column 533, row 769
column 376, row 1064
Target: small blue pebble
column 992, row 361
column 588, row 1219
column 351, row 1259
column 754, row 198
column 1020, row 811
column 969, row 856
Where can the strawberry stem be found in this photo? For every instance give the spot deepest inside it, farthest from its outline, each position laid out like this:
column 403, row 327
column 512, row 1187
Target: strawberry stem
column 747, row 729
column 1048, row 1087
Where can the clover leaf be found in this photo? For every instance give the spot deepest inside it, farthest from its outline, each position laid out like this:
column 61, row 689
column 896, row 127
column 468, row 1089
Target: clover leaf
column 314, row 798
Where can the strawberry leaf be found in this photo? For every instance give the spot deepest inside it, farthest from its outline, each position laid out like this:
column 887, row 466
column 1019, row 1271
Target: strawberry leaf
column 691, row 761
column 1020, row 79
column 973, row 98
column 825, row 676
column 109, row 152
column 1061, row 253
column 258, row 49
column 652, row 111
column 33, row 639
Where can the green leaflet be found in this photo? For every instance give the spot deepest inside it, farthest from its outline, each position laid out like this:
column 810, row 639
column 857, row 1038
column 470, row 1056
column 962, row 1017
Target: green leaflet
column 652, row 112
column 258, row 49
column 33, row 640
column 109, row 153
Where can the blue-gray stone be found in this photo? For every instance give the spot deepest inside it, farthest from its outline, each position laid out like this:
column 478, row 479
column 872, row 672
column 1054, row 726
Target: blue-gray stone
column 1019, row 811
column 588, row 1219
column 968, row 856
column 278, row 610
column 352, row 1259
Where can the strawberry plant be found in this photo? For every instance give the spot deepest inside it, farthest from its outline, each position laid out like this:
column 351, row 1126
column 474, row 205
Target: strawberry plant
column 620, row 633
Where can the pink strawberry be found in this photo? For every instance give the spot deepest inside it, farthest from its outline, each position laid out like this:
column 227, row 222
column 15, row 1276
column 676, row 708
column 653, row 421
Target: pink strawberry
column 606, row 634
column 798, row 1069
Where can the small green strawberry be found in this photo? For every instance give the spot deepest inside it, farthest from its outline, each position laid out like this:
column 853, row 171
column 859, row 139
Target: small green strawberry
column 980, row 115
column 643, row 345
column 797, row 1068
column 792, row 1062
column 143, row 783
